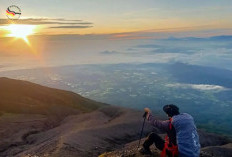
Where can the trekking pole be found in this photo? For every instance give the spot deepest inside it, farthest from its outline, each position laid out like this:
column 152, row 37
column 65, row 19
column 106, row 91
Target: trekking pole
column 141, row 134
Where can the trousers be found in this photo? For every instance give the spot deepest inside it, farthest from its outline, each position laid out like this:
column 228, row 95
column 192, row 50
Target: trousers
column 153, row 138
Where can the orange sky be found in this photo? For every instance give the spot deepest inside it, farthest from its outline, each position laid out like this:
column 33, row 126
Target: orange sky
column 108, row 16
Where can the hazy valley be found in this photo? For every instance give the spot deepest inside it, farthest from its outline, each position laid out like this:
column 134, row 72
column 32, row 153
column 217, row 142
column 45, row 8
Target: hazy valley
column 205, row 92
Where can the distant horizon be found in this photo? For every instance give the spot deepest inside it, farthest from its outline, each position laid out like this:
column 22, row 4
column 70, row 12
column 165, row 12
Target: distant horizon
column 106, row 51
column 108, row 32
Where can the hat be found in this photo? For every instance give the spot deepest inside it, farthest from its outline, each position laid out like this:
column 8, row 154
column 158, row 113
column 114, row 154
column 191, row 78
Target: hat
column 171, row 110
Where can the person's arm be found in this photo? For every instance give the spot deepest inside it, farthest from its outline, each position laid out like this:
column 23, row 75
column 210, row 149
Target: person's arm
column 162, row 125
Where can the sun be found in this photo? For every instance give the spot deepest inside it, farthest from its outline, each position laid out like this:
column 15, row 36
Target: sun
column 20, row 31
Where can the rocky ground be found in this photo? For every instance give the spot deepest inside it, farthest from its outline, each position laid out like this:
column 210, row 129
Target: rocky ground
column 132, row 150
column 86, row 134
column 89, row 134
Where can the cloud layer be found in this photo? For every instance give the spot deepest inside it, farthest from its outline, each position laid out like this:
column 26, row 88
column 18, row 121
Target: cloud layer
column 201, row 87
column 51, row 23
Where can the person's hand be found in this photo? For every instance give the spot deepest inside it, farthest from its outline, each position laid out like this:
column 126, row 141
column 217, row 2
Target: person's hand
column 147, row 111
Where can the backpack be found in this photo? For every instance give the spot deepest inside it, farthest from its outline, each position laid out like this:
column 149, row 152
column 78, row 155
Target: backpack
column 168, row 145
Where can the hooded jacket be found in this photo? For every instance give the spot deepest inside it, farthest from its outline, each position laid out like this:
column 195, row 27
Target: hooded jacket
column 187, row 138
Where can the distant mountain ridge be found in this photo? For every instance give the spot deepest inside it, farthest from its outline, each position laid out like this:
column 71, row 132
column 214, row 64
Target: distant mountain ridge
column 216, row 38
column 197, row 74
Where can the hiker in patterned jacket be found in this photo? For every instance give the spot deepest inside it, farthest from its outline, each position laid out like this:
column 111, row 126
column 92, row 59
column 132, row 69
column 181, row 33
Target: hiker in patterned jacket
column 182, row 139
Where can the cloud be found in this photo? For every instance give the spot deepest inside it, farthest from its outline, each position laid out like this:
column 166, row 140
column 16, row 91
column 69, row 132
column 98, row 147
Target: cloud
column 56, row 23
column 60, row 19
column 201, row 87
column 208, row 51
column 71, row 27
column 168, row 49
column 109, row 52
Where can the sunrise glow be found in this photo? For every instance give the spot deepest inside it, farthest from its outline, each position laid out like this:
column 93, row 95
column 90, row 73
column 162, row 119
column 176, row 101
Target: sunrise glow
column 20, row 31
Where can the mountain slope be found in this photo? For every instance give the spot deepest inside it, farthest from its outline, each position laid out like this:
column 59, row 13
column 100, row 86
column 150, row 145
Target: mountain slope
column 37, row 120
column 62, row 123
column 25, row 97
column 88, row 134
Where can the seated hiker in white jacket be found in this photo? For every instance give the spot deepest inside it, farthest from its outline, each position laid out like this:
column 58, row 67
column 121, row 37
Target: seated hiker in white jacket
column 182, row 139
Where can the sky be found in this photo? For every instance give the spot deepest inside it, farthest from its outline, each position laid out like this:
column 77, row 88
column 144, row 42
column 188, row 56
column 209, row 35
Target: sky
column 110, row 16
column 104, row 31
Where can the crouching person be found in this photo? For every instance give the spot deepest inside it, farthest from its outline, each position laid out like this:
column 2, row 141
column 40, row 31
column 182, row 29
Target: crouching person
column 182, row 139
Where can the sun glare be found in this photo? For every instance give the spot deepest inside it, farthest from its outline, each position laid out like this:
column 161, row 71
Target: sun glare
column 21, row 31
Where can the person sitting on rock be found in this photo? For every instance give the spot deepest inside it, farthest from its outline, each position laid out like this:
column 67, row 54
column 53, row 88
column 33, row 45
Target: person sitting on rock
column 182, row 139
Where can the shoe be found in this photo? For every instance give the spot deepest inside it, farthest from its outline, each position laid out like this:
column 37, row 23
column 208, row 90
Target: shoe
column 144, row 151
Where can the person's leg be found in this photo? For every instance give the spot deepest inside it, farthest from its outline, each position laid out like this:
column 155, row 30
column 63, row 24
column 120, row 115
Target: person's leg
column 154, row 138
column 157, row 140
